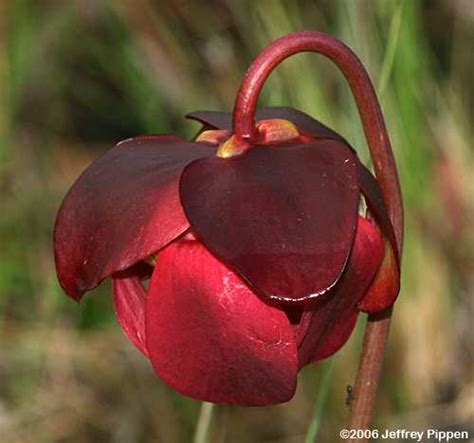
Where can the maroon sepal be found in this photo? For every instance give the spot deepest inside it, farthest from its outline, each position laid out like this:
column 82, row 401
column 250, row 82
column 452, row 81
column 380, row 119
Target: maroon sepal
column 124, row 207
column 282, row 218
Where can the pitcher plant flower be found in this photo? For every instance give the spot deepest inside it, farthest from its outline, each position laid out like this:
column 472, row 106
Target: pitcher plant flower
column 245, row 254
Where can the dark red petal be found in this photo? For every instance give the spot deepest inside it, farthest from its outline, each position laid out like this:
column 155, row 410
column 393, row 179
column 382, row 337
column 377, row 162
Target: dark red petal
column 376, row 204
column 282, row 218
column 130, row 301
column 306, row 123
column 124, row 207
column 210, row 337
column 327, row 324
column 385, row 287
column 340, row 332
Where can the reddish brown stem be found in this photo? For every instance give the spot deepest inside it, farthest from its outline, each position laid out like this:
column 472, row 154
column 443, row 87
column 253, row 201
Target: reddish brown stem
column 384, row 164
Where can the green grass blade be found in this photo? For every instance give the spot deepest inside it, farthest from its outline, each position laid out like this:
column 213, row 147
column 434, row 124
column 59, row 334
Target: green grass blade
column 204, row 423
column 393, row 38
column 324, row 386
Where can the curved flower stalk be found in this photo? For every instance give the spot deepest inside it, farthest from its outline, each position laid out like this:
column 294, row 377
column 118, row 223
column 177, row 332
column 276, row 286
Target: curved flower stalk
column 239, row 257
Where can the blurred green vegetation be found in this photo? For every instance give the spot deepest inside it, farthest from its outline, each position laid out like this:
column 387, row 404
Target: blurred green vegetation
column 78, row 76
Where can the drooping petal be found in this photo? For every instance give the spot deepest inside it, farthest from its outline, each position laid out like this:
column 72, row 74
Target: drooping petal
column 124, row 207
column 210, row 337
column 282, row 218
column 386, row 286
column 307, row 124
column 327, row 324
column 130, row 302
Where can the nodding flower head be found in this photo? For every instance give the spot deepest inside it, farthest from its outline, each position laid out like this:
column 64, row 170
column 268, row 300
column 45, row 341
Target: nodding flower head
column 236, row 258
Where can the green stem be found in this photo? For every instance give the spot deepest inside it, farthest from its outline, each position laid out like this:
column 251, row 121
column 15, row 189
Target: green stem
column 324, row 385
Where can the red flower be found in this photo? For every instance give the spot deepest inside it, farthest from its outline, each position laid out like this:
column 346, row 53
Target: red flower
column 258, row 259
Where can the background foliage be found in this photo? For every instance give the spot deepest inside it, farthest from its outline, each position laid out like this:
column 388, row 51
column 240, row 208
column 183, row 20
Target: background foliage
column 78, row 76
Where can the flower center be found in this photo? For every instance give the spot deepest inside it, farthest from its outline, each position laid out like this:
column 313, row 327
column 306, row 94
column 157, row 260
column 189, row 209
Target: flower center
column 269, row 132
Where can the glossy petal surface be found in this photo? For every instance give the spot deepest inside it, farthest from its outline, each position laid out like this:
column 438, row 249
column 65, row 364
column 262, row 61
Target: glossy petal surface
column 282, row 218
column 124, row 207
column 210, row 337
column 307, row 124
column 130, row 302
column 327, row 324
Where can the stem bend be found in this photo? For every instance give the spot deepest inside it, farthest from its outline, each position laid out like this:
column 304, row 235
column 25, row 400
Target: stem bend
column 362, row 89
column 384, row 164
